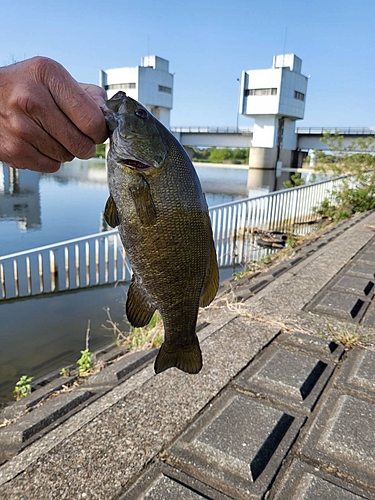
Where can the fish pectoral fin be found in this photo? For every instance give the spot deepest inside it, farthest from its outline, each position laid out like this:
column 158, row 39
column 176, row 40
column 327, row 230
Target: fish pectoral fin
column 144, row 204
column 188, row 359
column 212, row 284
column 139, row 310
column 110, row 213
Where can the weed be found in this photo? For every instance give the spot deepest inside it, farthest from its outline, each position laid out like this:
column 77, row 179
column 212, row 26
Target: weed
column 64, row 372
column 119, row 337
column 345, row 336
column 146, row 337
column 85, row 362
column 23, row 387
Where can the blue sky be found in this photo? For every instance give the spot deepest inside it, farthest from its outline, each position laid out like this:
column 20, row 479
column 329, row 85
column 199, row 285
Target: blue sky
column 208, row 44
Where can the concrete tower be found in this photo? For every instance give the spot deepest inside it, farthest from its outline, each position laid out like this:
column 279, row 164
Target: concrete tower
column 275, row 98
column 151, row 84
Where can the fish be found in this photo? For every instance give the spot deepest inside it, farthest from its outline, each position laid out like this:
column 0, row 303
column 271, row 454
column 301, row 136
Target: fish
column 157, row 203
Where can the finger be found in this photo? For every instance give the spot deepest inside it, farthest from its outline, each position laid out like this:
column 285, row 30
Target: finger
column 30, row 132
column 22, row 155
column 98, row 94
column 72, row 99
column 55, row 123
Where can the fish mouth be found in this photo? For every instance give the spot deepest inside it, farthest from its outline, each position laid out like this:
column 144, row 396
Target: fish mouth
column 136, row 165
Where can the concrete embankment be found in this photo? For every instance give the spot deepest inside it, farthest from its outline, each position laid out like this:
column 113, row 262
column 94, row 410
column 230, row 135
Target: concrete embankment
column 280, row 409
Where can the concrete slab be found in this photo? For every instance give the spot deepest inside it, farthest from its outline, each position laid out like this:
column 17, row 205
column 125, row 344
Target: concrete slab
column 363, row 269
column 114, row 373
column 103, row 455
column 304, row 482
column 343, row 305
column 342, row 439
column 236, row 446
column 162, row 482
column 313, row 346
column 14, row 436
column 352, row 284
column 286, row 377
column 358, row 373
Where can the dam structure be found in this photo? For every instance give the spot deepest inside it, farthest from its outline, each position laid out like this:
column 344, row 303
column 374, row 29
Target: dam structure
column 151, row 83
column 275, row 98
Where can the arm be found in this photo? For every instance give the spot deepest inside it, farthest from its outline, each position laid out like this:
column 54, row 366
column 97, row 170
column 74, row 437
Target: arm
column 46, row 117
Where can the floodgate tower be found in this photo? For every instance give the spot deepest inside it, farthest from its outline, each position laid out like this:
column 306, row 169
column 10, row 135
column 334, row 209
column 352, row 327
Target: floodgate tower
column 275, row 98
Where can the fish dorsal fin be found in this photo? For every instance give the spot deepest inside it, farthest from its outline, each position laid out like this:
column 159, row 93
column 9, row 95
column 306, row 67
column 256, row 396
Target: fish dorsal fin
column 110, row 213
column 212, row 283
column 139, row 310
column 144, row 204
column 187, row 358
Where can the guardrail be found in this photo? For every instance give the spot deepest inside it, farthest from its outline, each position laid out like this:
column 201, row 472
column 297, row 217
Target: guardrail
column 100, row 258
column 334, row 130
column 213, row 130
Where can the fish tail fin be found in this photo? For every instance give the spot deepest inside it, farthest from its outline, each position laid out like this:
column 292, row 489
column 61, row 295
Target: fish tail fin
column 188, row 359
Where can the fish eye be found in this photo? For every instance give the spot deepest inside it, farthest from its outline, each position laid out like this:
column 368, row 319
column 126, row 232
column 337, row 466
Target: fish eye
column 142, row 113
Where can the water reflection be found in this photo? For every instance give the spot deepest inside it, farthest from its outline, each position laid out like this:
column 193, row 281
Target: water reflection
column 19, row 197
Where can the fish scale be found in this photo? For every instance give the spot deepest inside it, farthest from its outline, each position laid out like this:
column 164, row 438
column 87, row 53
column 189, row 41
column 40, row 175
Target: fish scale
column 158, row 204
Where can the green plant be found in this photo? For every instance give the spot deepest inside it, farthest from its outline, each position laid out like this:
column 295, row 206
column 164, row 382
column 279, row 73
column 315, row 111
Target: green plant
column 85, row 362
column 345, row 336
column 23, row 387
column 295, row 180
column 64, row 372
column 100, row 151
column 357, row 189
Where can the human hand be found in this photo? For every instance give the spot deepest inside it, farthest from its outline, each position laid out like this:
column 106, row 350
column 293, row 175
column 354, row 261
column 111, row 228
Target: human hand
column 46, row 117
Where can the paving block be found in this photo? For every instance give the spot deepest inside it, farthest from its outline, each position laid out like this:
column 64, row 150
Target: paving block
column 354, row 284
column 342, row 439
column 304, row 482
column 162, row 482
column 313, row 346
column 358, row 373
column 287, row 377
column 369, row 318
column 367, row 256
column 256, row 287
column 237, row 445
column 363, row 269
column 112, row 374
column 18, row 408
column 343, row 305
column 15, row 435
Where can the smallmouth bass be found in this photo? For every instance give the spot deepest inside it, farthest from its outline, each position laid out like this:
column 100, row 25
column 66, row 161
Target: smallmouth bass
column 157, row 202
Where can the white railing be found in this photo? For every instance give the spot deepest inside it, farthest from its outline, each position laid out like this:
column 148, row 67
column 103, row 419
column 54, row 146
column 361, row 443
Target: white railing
column 91, row 260
column 100, row 258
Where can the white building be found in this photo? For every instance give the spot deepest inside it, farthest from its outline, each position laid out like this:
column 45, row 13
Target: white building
column 275, row 98
column 151, row 84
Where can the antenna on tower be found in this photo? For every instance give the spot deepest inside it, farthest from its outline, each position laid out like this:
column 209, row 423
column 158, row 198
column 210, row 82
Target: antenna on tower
column 285, row 37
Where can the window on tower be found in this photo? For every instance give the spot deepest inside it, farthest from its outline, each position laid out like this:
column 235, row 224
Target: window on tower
column 119, row 86
column 270, row 91
column 167, row 90
column 299, row 95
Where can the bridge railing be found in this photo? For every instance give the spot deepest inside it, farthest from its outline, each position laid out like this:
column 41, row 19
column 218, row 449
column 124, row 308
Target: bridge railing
column 213, row 130
column 333, row 130
column 100, row 258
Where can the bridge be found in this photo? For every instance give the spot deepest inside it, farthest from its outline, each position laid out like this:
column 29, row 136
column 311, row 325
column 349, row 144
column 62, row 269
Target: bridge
column 307, row 137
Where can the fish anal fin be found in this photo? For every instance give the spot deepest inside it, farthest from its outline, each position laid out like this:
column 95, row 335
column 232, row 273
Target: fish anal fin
column 144, row 204
column 187, row 358
column 110, row 213
column 139, row 310
column 212, row 284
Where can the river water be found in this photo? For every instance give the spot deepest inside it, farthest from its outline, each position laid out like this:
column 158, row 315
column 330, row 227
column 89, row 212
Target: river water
column 40, row 334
